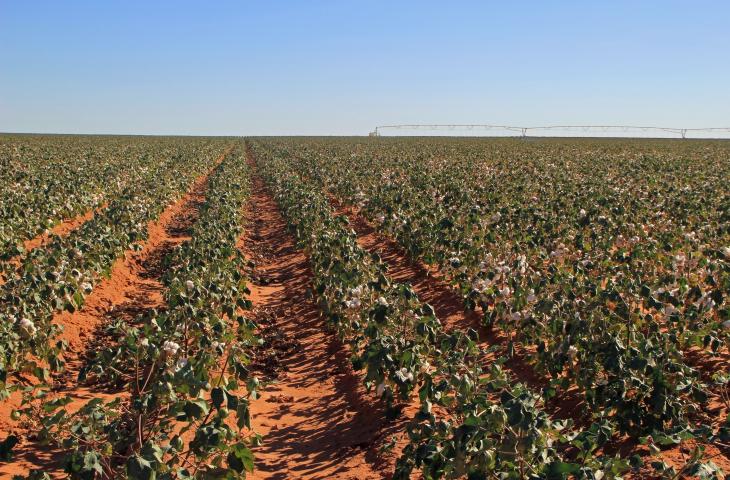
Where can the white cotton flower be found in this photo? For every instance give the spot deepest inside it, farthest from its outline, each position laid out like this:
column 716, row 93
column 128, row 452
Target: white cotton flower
column 170, row 348
column 583, row 212
column 505, row 292
column 481, row 284
column 181, row 363
column 572, row 352
column 352, row 303
column 86, row 287
column 408, row 375
column 356, row 292
column 27, row 327
column 707, row 302
column 380, row 390
column 382, row 301
column 145, row 342
column 189, row 285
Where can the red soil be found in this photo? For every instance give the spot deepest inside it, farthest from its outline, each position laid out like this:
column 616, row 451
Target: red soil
column 315, row 417
column 132, row 288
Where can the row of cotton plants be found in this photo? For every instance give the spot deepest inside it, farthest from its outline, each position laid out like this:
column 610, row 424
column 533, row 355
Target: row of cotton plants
column 181, row 372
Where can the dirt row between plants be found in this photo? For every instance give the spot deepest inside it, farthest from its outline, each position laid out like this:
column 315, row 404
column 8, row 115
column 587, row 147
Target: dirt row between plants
column 432, row 288
column 315, row 417
column 132, row 289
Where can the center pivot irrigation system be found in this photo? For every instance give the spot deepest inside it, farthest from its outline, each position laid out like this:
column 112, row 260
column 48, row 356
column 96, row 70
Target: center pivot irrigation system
column 620, row 130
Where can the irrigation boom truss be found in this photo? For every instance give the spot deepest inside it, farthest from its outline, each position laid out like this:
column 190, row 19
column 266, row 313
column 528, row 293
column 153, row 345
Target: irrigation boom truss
column 524, row 131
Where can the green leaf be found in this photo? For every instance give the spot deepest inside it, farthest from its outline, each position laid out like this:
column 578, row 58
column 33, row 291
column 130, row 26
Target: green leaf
column 196, row 409
column 240, row 458
column 140, row 469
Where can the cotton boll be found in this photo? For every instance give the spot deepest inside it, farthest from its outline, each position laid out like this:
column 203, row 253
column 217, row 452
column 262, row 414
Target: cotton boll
column 170, row 348
column 27, row 327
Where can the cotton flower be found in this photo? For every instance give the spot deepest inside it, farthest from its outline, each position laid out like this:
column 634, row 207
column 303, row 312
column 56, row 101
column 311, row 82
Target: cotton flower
column 352, row 303
column 670, row 310
column 181, row 363
column 531, row 297
column 145, row 342
column 583, row 212
column 408, row 375
column 380, row 218
column 572, row 352
column 481, row 284
column 505, row 292
column 189, row 285
column 706, row 302
column 726, row 251
column 522, row 264
column 170, row 348
column 382, row 301
column 86, row 287
column 27, row 327
column 356, row 292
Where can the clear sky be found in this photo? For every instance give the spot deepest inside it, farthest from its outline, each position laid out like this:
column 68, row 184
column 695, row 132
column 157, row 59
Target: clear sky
column 342, row 67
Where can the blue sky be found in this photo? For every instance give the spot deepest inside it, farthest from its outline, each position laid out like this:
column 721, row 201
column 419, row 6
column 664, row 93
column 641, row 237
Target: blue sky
column 342, row 67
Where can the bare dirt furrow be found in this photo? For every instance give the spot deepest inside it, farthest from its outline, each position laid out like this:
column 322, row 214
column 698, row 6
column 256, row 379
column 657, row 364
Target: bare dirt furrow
column 133, row 288
column 313, row 415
